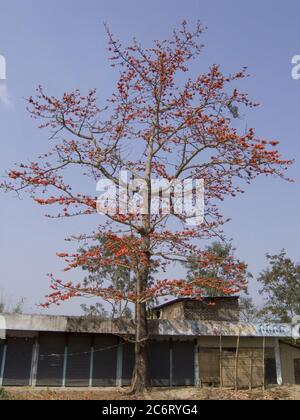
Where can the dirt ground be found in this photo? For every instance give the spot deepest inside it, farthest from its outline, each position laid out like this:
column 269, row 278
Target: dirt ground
column 113, row 394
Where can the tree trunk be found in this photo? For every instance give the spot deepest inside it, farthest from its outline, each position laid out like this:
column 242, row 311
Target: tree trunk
column 140, row 380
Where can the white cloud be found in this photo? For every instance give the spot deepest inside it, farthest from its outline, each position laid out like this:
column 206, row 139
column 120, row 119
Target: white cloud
column 4, row 95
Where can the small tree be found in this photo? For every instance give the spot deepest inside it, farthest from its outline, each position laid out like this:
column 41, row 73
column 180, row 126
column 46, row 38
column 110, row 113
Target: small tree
column 95, row 311
column 281, row 288
column 157, row 124
column 16, row 308
column 220, row 254
column 248, row 310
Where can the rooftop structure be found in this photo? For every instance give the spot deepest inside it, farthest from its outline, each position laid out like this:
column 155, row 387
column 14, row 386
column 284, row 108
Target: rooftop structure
column 225, row 308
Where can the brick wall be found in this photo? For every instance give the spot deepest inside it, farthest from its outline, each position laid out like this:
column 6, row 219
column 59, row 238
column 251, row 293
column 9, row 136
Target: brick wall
column 220, row 309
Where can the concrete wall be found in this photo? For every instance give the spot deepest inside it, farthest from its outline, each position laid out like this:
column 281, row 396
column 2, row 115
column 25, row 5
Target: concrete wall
column 175, row 311
column 15, row 322
column 31, row 324
column 288, row 354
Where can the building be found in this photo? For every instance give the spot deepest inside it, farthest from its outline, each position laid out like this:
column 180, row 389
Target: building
column 192, row 343
column 213, row 309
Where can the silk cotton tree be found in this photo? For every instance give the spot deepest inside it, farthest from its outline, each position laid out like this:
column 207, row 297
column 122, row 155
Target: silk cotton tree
column 160, row 123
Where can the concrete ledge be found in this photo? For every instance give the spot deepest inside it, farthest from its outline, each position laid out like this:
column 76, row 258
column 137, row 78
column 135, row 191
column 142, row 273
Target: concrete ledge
column 36, row 323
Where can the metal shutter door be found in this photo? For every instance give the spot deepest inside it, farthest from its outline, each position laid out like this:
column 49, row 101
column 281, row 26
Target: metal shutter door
column 105, row 360
column 159, row 361
column 128, row 363
column 297, row 371
column 271, row 374
column 51, row 360
column 79, row 358
column 183, row 364
column 18, row 362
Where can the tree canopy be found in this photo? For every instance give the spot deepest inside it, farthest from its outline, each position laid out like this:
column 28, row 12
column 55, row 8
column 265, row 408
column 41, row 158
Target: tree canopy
column 159, row 123
column 281, row 288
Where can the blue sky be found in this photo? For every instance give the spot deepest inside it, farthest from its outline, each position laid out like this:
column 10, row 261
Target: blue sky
column 61, row 45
